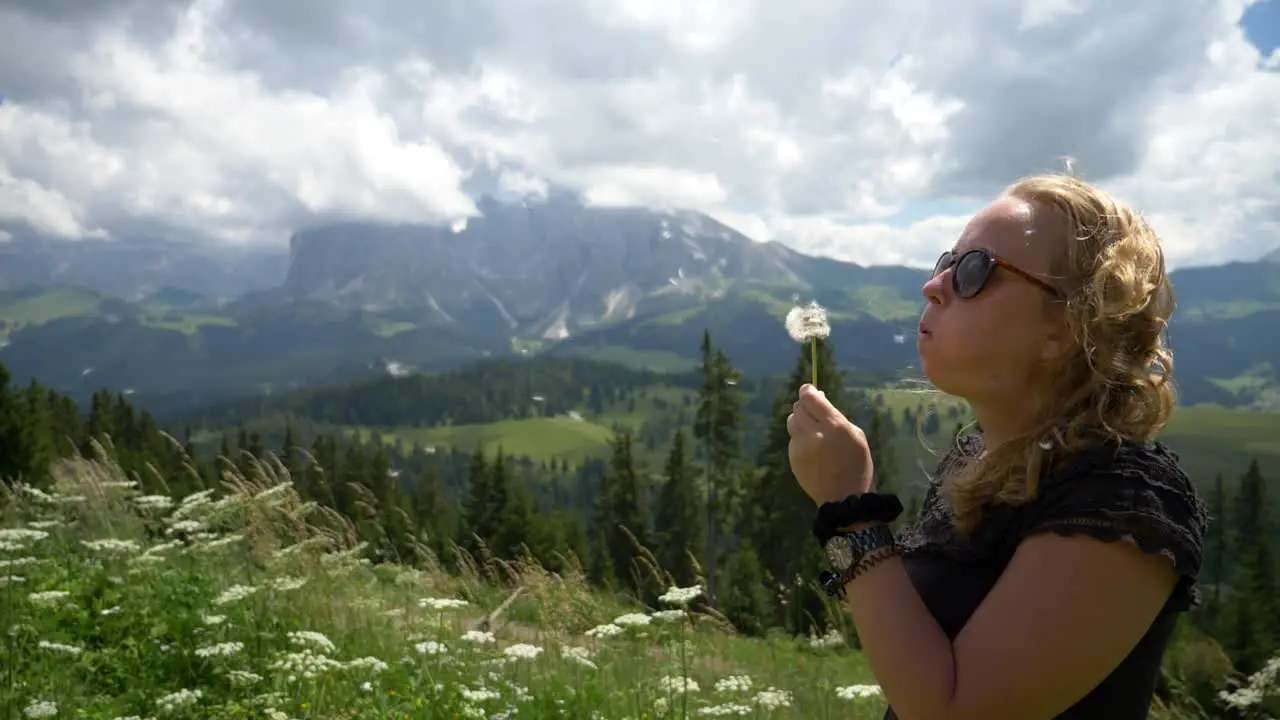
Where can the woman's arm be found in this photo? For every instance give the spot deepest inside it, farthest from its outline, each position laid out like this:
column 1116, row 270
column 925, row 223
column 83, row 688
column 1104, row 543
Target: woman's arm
column 1064, row 614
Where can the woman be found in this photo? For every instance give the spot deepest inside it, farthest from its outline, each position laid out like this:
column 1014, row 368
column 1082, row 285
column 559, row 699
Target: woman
column 1055, row 549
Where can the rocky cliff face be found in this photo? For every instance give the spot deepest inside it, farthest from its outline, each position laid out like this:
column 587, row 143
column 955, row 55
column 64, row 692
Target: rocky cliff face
column 546, row 269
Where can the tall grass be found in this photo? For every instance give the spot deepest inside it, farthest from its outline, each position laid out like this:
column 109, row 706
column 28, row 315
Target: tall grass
column 249, row 603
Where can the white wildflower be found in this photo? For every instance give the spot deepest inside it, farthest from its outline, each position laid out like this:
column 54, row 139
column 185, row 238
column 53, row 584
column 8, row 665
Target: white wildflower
column 1259, row 686
column 60, row 647
column 305, row 664
column 112, row 545
column 681, row 596
column 773, row 698
column 153, row 502
column 854, row 692
column 209, row 541
column 173, row 702
column 632, row 620
column 522, row 651
column 284, row 584
column 45, row 524
column 22, row 535
column 41, row 709
column 480, row 694
column 442, row 603
column 832, row 638
column 668, row 615
column 674, row 684
column 48, row 598
column 234, row 594
column 186, row 527
column 578, row 655
column 241, row 678
column 480, row 637
column 312, row 639
column 226, row 649
column 726, row 710
column 431, row 647
column 604, row 631
column 734, row 684
column 369, row 663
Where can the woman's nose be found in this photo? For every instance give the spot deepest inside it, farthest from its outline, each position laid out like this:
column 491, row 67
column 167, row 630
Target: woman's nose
column 934, row 290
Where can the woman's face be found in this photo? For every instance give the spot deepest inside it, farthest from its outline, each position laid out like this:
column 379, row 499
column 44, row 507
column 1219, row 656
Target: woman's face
column 989, row 347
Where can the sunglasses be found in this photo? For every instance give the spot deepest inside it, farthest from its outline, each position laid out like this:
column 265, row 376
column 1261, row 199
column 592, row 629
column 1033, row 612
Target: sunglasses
column 973, row 268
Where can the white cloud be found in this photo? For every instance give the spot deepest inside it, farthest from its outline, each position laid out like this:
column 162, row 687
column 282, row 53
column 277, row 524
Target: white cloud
column 817, row 124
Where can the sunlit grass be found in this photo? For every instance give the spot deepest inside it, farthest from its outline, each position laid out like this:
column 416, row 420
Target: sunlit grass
column 249, row 602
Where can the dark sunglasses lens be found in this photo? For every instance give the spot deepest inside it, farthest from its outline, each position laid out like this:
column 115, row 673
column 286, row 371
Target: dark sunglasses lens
column 971, row 274
column 943, row 263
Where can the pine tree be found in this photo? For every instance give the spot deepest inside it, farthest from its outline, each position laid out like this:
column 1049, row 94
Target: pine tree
column 514, row 510
column 11, row 420
column 480, row 510
column 747, row 601
column 717, row 425
column 678, row 519
column 1253, row 612
column 620, row 516
column 26, row 433
column 1216, row 540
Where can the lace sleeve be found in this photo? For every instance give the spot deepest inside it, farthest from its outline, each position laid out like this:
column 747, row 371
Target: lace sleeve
column 1132, row 493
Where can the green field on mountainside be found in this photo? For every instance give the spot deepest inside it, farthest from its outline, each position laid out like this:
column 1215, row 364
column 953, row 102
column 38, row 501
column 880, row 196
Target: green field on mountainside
column 1208, row 439
column 37, row 306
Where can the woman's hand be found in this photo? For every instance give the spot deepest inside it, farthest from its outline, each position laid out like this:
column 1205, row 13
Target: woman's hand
column 829, row 455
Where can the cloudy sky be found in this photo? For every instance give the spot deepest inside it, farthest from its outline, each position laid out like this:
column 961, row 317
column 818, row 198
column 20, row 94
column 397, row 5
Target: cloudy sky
column 861, row 129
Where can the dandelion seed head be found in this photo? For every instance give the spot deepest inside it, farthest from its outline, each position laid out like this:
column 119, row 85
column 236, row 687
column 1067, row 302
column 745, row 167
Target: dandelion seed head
column 807, row 322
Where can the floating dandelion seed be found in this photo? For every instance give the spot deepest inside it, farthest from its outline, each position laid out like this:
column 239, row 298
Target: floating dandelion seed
column 808, row 323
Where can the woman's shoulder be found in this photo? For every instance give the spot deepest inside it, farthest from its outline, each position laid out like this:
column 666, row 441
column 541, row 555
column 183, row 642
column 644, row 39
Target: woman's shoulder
column 1128, row 491
column 1123, row 476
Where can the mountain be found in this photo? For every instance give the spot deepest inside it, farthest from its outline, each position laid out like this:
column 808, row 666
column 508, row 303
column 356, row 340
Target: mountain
column 135, row 267
column 549, row 270
column 628, row 285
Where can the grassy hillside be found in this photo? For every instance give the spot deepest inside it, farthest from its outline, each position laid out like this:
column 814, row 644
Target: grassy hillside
column 258, row 613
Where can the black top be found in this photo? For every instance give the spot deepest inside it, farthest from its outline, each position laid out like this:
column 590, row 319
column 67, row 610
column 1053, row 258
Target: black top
column 1129, row 492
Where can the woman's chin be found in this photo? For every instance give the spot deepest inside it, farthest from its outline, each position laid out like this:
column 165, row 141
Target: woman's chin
column 935, row 375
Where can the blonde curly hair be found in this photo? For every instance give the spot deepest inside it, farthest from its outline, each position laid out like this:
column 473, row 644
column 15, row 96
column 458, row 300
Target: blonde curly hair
column 1116, row 382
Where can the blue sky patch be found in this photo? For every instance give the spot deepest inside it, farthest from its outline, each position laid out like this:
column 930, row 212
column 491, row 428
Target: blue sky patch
column 1261, row 23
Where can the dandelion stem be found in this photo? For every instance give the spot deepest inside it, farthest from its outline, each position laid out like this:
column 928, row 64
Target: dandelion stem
column 813, row 360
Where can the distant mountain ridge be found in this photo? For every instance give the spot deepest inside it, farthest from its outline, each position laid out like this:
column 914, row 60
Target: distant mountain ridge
column 629, row 285
column 547, row 270
column 133, row 268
